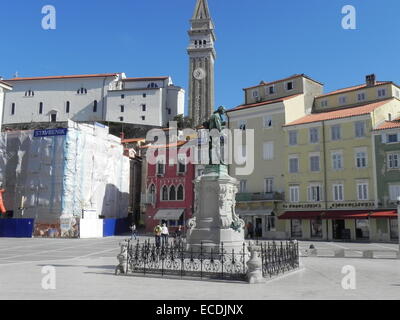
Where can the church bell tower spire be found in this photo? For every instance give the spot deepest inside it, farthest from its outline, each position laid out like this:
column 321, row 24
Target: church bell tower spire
column 202, row 57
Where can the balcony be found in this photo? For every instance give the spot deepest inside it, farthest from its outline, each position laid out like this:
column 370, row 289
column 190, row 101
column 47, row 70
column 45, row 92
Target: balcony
column 260, row 196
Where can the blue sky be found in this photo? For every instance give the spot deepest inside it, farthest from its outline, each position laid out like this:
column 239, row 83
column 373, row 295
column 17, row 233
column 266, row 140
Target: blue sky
column 256, row 40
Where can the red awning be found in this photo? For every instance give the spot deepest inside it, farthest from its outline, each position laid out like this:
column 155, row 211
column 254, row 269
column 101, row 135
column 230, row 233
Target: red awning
column 353, row 214
column 300, row 215
column 384, row 214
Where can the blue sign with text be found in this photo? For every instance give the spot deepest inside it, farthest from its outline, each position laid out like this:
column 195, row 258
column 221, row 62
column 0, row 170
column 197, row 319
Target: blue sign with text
column 50, row 132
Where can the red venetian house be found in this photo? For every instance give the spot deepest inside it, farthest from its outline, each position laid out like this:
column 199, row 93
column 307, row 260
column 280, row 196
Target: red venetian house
column 169, row 189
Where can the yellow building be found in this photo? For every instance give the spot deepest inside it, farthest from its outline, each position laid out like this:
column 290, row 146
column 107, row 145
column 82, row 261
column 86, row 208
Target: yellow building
column 329, row 165
column 267, row 107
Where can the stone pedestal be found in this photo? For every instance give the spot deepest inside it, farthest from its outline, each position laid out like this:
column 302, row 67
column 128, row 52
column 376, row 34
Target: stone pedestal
column 215, row 221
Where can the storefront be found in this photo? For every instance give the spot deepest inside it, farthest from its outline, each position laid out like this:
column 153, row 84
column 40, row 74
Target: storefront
column 356, row 225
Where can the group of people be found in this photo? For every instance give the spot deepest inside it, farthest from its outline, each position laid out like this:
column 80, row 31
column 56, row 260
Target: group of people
column 161, row 234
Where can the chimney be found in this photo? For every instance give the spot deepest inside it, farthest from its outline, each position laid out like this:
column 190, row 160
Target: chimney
column 370, row 80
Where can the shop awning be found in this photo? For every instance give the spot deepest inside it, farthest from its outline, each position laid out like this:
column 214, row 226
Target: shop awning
column 345, row 214
column 242, row 213
column 300, row 215
column 168, row 214
column 384, row 214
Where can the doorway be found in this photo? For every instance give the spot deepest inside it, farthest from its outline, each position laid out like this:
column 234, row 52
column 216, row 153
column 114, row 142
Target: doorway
column 394, row 229
column 258, row 228
column 339, row 230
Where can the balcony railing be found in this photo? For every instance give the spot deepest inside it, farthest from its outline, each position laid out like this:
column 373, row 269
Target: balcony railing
column 260, row 196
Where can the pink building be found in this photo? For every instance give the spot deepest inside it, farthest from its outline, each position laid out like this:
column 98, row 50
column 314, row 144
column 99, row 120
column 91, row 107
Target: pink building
column 169, row 193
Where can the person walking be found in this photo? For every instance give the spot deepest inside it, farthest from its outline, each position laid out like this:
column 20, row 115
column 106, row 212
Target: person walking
column 157, row 234
column 164, row 234
column 134, row 231
column 178, row 236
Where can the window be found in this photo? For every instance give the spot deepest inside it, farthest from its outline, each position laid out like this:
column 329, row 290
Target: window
column 268, row 150
column 342, row 100
column 40, row 107
column 241, row 155
column 143, row 118
column 324, row 103
column 361, row 96
column 53, row 117
column 362, row 191
column 181, row 166
column 294, row 165
column 12, row 108
column 360, row 129
column 296, row 229
column 152, row 194
column 67, row 107
column 180, row 193
column 338, row 194
column 267, row 122
column 144, row 95
column 394, row 192
column 242, row 124
column 362, row 229
column 82, row 91
column 121, row 118
column 392, row 138
column 289, row 85
column 152, row 85
column 95, row 106
column 294, row 192
column 269, row 185
column 29, row 93
column 314, row 135
column 122, row 108
column 242, row 186
column 292, row 138
column 160, row 168
column 316, row 228
column 361, row 159
column 337, row 160
column 164, row 193
column 270, row 90
column 143, row 107
column 315, row 193
column 172, row 193
column 314, row 163
column 335, row 132
column 381, row 92
column 255, row 94
column 394, row 160
column 122, row 96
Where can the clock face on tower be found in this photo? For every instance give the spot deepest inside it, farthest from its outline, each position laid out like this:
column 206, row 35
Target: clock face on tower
column 199, row 74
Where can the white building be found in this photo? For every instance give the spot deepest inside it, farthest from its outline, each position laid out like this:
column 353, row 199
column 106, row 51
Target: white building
column 3, row 88
column 89, row 98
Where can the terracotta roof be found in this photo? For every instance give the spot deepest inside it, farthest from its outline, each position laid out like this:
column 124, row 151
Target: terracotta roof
column 389, row 125
column 263, row 103
column 344, row 90
column 133, row 140
column 162, row 146
column 5, row 83
column 285, row 79
column 145, row 79
column 101, row 75
column 340, row 113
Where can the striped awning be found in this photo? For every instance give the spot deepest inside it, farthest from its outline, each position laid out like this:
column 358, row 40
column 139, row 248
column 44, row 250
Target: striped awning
column 168, row 214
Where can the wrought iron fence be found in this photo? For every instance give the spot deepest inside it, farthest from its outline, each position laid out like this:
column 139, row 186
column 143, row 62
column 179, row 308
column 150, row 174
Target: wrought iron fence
column 279, row 258
column 219, row 263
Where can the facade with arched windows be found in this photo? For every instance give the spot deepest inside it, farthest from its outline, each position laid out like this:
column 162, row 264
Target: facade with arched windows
column 168, row 193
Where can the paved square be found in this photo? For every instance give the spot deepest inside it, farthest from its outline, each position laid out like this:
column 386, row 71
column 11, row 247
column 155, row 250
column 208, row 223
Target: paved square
column 85, row 270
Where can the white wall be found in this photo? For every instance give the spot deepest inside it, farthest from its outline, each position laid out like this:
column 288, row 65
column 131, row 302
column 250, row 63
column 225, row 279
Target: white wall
column 54, row 93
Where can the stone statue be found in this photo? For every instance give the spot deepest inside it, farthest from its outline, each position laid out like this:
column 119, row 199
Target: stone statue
column 216, row 121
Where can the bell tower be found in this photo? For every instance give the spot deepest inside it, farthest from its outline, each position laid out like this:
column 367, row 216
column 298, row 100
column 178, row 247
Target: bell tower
column 202, row 56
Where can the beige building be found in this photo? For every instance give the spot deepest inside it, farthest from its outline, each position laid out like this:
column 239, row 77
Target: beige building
column 329, row 164
column 4, row 87
column 267, row 107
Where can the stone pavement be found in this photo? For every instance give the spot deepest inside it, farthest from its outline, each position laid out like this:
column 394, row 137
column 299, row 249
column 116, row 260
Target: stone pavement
column 85, row 270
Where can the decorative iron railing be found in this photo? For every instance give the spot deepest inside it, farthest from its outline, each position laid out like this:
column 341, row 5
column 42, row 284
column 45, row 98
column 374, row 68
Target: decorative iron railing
column 219, row 263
